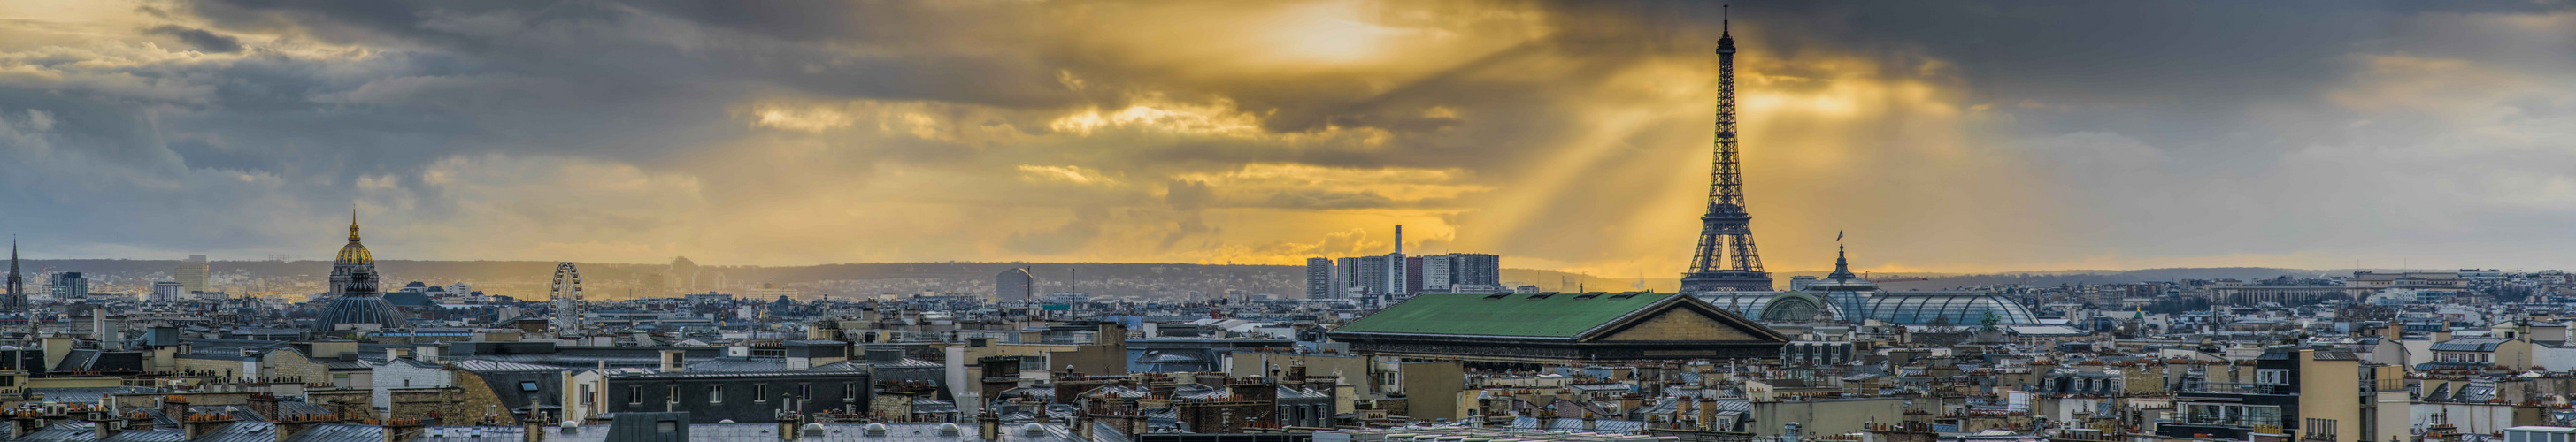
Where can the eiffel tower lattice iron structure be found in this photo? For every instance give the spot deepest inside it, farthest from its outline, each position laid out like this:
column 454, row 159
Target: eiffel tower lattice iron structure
column 1726, row 259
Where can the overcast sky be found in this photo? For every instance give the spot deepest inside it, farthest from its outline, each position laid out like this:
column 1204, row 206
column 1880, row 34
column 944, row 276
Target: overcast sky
column 1943, row 136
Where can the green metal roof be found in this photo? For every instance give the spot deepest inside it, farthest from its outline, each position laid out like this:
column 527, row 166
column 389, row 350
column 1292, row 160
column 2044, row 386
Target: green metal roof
column 1559, row 315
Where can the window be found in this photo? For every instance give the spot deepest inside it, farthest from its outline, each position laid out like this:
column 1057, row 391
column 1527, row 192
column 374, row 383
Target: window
column 760, row 393
column 805, row 390
column 715, row 394
column 849, row 392
column 666, row 426
column 2272, row 376
column 674, row 394
column 634, row 395
column 528, row 386
column 586, row 400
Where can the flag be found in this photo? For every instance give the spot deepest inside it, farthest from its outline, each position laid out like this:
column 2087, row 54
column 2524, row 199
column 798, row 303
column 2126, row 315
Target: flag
column 1838, row 235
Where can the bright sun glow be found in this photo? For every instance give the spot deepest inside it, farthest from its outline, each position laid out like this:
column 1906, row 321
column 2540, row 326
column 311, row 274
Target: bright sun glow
column 1335, row 32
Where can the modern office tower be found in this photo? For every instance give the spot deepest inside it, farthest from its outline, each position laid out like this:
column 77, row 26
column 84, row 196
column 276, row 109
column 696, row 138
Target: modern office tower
column 1014, row 285
column 1462, row 273
column 1366, row 274
column 1346, row 276
column 191, row 274
column 70, row 286
column 1388, row 274
column 1436, row 275
column 1319, row 279
column 1412, row 275
column 166, row 291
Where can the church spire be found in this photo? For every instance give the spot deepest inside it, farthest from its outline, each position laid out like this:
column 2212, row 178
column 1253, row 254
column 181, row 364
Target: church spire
column 17, row 297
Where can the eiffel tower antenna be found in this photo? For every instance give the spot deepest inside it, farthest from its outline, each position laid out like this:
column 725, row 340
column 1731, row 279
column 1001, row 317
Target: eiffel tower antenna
column 1726, row 258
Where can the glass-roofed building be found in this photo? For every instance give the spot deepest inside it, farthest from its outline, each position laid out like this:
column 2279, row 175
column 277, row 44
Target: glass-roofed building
column 1843, row 296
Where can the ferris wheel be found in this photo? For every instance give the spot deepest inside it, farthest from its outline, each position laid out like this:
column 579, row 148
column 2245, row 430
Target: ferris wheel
column 567, row 297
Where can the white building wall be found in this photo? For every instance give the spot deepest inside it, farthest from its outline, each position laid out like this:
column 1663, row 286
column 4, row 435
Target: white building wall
column 2469, row 418
column 401, row 375
column 2418, row 351
column 2557, row 359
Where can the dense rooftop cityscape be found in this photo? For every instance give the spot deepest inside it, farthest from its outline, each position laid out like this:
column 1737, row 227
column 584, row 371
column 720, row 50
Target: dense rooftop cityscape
column 1155, row 222
column 2435, row 354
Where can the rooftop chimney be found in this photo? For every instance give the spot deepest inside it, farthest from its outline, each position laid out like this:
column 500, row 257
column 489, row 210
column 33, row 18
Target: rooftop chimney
column 198, row 425
column 104, row 425
column 674, row 361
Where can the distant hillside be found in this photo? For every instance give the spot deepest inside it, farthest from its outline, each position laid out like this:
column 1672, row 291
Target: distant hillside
column 2064, row 277
column 527, row 279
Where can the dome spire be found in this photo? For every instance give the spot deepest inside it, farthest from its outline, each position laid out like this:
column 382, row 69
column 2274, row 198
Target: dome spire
column 353, row 225
column 1842, row 266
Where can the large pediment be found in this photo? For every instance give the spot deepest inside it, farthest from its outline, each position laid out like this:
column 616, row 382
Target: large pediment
column 1684, row 321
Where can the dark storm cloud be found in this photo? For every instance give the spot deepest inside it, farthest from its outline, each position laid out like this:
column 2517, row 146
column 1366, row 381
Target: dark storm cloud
column 2168, row 65
column 199, row 38
column 1328, row 199
column 672, row 106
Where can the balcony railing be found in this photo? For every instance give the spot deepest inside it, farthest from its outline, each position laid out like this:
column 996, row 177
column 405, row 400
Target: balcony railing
column 2239, row 387
column 2223, row 421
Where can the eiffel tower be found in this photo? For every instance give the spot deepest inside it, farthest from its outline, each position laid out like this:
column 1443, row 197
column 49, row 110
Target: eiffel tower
column 1726, row 259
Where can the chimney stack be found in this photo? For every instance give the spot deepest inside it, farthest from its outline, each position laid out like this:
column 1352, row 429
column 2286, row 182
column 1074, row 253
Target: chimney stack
column 197, row 426
column 403, row 430
column 1399, row 240
column 988, row 425
column 104, row 424
column 176, row 407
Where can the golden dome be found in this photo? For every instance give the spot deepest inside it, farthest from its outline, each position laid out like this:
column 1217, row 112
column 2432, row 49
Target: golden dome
column 354, row 253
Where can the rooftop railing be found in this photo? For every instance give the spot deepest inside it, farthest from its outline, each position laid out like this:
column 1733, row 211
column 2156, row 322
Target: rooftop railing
column 2238, row 387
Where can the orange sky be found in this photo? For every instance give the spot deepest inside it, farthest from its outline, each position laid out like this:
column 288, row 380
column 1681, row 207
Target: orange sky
column 1573, row 136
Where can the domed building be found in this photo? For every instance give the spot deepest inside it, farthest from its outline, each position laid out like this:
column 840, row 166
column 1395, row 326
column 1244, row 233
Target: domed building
column 1846, row 297
column 1848, row 294
column 354, row 301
